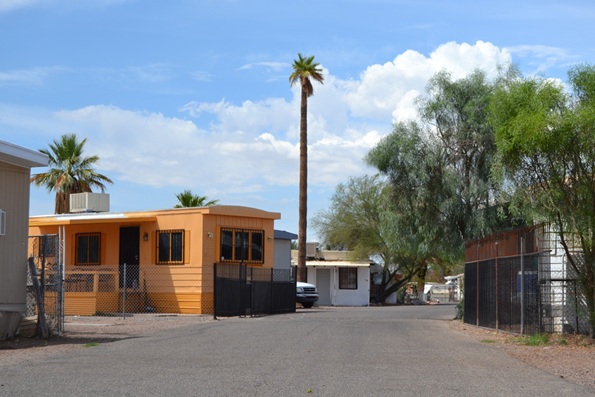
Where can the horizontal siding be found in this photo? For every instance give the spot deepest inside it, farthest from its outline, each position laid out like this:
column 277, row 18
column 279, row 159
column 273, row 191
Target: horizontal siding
column 14, row 200
column 80, row 304
column 177, row 303
column 91, row 304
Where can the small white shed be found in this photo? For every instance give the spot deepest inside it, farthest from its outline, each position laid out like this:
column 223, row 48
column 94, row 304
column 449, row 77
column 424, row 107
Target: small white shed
column 15, row 173
column 340, row 283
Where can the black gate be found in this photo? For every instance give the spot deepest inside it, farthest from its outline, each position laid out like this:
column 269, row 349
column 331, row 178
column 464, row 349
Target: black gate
column 241, row 290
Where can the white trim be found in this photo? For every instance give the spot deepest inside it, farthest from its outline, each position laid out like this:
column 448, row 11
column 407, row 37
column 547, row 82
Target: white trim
column 336, row 264
column 21, row 156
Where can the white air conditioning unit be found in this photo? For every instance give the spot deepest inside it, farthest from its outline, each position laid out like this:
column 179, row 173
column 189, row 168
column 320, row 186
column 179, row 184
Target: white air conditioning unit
column 311, row 250
column 89, row 202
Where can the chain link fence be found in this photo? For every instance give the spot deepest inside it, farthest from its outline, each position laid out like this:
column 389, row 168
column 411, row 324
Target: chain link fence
column 121, row 290
column 110, row 290
column 519, row 282
column 44, row 254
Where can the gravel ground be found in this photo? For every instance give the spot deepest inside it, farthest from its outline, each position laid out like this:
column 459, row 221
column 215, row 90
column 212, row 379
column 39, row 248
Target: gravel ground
column 82, row 331
column 569, row 356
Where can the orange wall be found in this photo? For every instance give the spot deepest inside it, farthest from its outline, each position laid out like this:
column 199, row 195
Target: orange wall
column 201, row 230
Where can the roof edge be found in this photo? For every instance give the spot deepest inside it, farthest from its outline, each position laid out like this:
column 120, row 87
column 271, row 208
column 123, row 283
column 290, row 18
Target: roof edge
column 22, row 157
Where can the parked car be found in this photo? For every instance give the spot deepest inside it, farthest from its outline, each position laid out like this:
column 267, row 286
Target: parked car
column 306, row 294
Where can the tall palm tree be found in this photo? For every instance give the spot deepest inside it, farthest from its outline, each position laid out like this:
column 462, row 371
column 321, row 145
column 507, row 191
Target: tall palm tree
column 69, row 171
column 304, row 69
column 187, row 199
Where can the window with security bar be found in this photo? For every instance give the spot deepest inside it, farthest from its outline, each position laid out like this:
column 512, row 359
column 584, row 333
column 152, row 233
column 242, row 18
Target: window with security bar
column 88, row 249
column 242, row 245
column 347, row 278
column 48, row 246
column 170, row 248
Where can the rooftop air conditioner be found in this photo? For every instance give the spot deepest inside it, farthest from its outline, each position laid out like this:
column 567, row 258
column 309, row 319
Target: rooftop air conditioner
column 89, row 202
column 311, row 250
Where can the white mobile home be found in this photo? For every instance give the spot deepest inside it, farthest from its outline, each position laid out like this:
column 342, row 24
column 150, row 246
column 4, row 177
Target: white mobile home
column 15, row 172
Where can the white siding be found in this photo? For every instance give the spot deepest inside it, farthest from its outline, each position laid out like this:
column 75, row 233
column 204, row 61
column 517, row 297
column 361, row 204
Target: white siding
column 14, row 200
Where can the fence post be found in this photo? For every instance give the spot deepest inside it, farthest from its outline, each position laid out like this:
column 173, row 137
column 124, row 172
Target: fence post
column 61, row 277
column 477, row 288
column 124, row 293
column 214, row 291
column 272, row 292
column 496, row 286
column 242, row 284
column 43, row 255
column 251, row 291
column 522, row 287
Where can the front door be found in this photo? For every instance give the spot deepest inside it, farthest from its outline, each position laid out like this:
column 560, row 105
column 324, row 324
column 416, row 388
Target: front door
column 129, row 256
column 323, row 284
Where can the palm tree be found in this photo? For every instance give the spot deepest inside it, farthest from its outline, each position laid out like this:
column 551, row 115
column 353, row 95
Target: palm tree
column 187, row 199
column 304, row 69
column 69, row 171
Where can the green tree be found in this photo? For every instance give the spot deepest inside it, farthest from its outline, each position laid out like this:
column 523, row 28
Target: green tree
column 545, row 139
column 445, row 158
column 362, row 218
column 457, row 112
column 354, row 219
column 304, row 69
column 439, row 171
column 187, row 199
column 415, row 230
column 69, row 171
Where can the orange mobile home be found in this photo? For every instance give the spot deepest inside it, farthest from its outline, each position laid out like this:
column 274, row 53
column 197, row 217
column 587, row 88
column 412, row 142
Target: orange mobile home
column 160, row 261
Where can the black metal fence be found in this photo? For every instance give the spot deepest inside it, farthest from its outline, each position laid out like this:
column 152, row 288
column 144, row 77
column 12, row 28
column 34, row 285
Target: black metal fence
column 498, row 295
column 241, row 290
column 518, row 282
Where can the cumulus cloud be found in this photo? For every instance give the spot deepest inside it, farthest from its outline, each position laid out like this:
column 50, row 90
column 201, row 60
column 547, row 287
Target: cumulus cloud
column 252, row 146
column 390, row 89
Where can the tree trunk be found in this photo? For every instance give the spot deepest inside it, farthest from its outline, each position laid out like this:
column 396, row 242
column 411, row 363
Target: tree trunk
column 42, row 326
column 62, row 203
column 303, row 200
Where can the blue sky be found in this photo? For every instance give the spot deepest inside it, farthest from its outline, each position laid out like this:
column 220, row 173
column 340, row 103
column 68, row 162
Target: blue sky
column 194, row 94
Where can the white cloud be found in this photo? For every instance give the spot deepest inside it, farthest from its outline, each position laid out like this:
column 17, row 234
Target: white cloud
column 541, row 57
column 201, row 76
column 253, row 146
column 273, row 66
column 27, row 76
column 390, row 89
column 10, row 5
column 153, row 73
